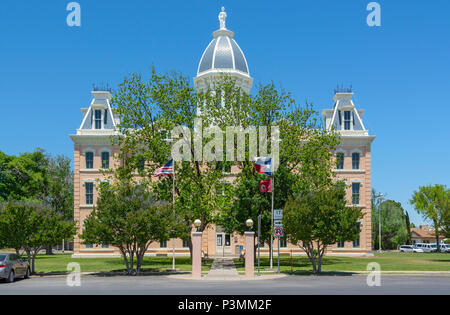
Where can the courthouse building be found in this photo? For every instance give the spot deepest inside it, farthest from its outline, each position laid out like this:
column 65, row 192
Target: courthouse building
column 93, row 153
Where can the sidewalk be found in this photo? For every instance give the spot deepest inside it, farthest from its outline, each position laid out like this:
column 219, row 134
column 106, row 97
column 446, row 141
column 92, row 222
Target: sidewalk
column 223, row 268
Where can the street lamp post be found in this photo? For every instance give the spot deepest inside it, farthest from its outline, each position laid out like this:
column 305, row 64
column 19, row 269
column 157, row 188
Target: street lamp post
column 197, row 224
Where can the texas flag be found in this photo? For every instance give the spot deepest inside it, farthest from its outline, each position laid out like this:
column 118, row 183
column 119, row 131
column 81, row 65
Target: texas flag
column 265, row 185
column 263, row 165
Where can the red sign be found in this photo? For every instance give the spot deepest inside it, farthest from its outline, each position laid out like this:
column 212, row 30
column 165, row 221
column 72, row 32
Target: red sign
column 278, row 231
column 265, row 185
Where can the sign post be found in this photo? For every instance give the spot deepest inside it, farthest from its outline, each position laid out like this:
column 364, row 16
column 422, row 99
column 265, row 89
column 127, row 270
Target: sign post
column 278, row 230
column 259, row 242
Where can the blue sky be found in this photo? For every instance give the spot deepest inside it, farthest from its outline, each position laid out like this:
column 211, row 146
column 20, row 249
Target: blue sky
column 399, row 71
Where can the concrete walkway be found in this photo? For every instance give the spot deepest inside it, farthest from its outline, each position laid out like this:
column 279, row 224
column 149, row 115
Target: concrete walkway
column 223, row 268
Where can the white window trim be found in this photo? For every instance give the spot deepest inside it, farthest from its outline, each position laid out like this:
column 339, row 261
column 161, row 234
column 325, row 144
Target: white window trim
column 102, row 113
column 340, row 151
column 88, row 181
column 105, row 150
column 89, row 149
column 356, row 150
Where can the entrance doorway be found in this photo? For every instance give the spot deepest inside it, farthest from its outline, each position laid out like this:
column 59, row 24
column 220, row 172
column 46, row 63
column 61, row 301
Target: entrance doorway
column 223, row 244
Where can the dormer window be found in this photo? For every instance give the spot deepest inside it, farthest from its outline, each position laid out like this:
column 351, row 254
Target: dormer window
column 98, row 119
column 347, row 120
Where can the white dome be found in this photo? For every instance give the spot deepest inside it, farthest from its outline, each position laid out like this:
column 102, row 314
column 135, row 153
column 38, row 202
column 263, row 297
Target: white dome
column 223, row 53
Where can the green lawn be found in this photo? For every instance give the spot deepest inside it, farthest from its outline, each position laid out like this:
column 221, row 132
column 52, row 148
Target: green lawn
column 387, row 261
column 58, row 263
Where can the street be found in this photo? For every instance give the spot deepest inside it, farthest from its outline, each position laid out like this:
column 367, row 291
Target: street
column 289, row 285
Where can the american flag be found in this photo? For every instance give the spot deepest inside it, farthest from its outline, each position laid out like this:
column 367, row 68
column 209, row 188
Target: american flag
column 166, row 169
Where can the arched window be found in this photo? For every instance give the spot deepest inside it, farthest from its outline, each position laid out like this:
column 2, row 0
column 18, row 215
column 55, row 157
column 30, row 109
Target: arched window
column 355, row 161
column 89, row 159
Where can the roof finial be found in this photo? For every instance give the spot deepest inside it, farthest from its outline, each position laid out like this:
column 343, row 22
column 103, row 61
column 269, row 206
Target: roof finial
column 222, row 18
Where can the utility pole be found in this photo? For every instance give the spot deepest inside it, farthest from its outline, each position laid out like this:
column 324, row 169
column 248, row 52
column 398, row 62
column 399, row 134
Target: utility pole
column 379, row 197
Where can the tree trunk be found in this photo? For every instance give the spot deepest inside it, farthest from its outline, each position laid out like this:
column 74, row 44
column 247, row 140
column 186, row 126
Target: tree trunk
column 190, row 246
column 28, row 256
column 33, row 260
column 320, row 253
column 436, row 231
column 310, row 253
column 125, row 258
column 49, row 250
column 270, row 251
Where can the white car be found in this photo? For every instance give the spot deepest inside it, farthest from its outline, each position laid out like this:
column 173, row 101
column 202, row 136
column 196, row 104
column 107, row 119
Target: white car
column 410, row 249
column 427, row 247
column 445, row 248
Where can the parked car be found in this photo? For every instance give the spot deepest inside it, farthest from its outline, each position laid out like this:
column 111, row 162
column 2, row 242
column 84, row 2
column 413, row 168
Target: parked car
column 13, row 266
column 410, row 249
column 445, row 248
column 426, row 248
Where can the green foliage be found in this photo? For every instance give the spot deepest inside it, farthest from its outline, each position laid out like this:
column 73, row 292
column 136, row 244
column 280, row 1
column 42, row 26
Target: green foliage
column 148, row 108
column 60, row 186
column 321, row 218
column 24, row 176
column 38, row 176
column 128, row 216
column 433, row 203
column 395, row 225
column 31, row 226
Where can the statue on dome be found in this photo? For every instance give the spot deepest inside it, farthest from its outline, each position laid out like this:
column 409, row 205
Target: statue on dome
column 222, row 18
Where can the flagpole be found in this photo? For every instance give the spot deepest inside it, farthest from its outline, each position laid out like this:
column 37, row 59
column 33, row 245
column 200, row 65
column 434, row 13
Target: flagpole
column 271, row 234
column 173, row 209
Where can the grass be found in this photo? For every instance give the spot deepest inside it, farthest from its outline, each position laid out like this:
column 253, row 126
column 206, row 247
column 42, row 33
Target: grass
column 58, row 263
column 387, row 261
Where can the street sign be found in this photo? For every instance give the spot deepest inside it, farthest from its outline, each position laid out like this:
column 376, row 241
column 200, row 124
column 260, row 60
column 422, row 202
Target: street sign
column 277, row 223
column 278, row 232
column 277, row 214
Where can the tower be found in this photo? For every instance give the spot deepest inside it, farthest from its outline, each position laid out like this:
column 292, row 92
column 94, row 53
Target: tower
column 93, row 155
column 223, row 56
column 353, row 162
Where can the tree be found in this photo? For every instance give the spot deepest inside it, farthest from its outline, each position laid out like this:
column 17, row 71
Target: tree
column 408, row 229
column 59, row 190
column 128, row 217
column 31, row 226
column 432, row 203
column 15, row 224
column 24, row 176
column 393, row 224
column 318, row 219
column 269, row 107
column 147, row 110
column 60, row 186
